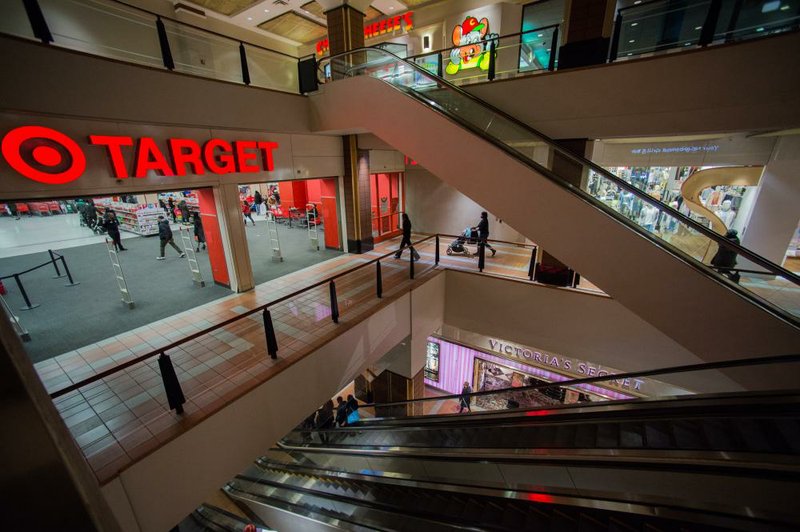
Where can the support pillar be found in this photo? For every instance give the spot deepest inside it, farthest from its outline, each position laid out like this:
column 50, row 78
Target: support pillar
column 357, row 197
column 775, row 215
column 587, row 33
column 234, row 238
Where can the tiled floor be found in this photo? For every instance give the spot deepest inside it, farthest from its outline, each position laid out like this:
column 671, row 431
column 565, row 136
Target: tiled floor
column 119, row 419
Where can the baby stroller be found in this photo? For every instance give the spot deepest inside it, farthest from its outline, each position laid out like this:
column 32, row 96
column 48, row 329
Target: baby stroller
column 469, row 236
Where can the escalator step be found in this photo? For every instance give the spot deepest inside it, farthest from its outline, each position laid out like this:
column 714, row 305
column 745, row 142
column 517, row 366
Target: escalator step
column 588, row 522
column 585, row 436
column 565, row 436
column 689, row 435
column 631, row 435
column 754, row 436
column 561, row 521
column 544, row 437
column 536, row 520
column 789, row 430
column 658, row 436
column 607, row 435
column 719, row 435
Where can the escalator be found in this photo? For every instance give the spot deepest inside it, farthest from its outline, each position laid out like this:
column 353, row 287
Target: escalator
column 365, row 502
column 728, row 460
column 522, row 176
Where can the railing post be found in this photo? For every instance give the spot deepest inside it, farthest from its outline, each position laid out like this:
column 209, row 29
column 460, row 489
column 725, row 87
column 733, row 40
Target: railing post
column 38, row 23
column 411, row 263
column 378, row 279
column 54, row 260
column 553, row 51
column 481, row 256
column 269, row 331
column 172, row 386
column 707, row 33
column 612, row 55
column 69, row 275
column 492, row 66
column 163, row 42
column 245, row 69
column 334, row 303
column 532, row 265
column 439, row 65
column 576, row 279
column 436, row 256
column 28, row 304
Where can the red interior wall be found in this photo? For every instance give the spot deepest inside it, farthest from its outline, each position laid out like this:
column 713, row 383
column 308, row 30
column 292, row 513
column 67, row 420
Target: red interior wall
column 216, row 252
column 300, row 195
column 287, row 194
column 329, row 215
column 314, row 191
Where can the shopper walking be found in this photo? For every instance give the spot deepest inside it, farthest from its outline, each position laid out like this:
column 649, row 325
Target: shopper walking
column 111, row 224
column 483, row 232
column 725, row 258
column 199, row 232
column 352, row 410
column 246, row 212
column 325, row 420
column 184, row 208
column 171, row 204
column 464, row 400
column 165, row 235
column 341, row 412
column 257, row 199
column 406, row 239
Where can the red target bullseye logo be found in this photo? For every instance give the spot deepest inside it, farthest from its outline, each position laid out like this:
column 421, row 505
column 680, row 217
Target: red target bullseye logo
column 44, row 155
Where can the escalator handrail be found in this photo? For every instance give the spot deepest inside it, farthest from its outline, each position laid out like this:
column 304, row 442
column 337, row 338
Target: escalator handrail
column 688, row 368
column 719, row 239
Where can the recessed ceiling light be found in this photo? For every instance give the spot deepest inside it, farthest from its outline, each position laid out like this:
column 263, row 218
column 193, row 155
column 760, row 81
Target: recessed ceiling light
column 637, row 2
column 632, row 40
column 306, row 11
column 785, row 8
column 249, row 18
column 391, row 7
column 266, row 11
column 759, row 29
column 698, row 28
column 634, row 24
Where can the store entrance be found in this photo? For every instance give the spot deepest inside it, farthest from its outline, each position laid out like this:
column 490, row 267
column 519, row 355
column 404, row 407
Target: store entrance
column 290, row 225
column 71, row 317
column 386, row 195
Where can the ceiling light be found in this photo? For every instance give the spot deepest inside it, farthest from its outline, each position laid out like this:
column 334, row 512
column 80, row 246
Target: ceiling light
column 266, row 11
column 632, row 40
column 634, row 24
column 306, row 11
column 759, row 29
column 698, row 27
column 785, row 8
column 391, row 7
column 540, row 35
column 249, row 18
column 637, row 2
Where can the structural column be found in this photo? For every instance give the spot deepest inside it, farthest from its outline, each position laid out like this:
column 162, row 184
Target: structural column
column 234, row 238
column 587, row 33
column 346, row 33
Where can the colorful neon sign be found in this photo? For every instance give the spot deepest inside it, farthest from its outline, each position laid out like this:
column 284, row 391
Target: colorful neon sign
column 472, row 38
column 51, row 157
column 404, row 23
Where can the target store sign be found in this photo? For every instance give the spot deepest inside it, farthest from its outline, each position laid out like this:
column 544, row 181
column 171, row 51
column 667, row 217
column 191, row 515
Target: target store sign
column 48, row 156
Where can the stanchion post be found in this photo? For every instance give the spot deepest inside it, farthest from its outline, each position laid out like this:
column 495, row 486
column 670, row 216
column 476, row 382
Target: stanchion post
column 411, row 263
column 22, row 291
column 54, row 260
column 172, row 385
column 532, row 265
column 378, row 279
column 436, row 261
column 334, row 303
column 69, row 275
column 269, row 331
column 481, row 256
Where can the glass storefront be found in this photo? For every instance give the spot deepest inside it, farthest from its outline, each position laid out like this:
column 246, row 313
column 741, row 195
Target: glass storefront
column 386, row 200
column 536, row 46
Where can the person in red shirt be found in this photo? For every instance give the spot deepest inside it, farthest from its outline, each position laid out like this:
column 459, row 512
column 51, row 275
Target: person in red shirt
column 246, row 212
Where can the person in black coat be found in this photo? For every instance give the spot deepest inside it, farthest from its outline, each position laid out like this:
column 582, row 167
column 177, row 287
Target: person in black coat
column 111, row 224
column 171, row 204
column 165, row 235
column 406, row 239
column 483, row 232
column 341, row 412
column 325, row 420
column 725, row 258
column 465, row 400
column 199, row 233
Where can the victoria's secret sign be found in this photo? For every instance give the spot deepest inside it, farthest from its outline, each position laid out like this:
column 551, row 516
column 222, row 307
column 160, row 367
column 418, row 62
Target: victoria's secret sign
column 51, row 157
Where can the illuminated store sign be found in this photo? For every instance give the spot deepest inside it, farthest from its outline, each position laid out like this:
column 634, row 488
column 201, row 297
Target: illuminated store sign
column 49, row 156
column 676, row 149
column 472, row 38
column 403, row 23
column 576, row 367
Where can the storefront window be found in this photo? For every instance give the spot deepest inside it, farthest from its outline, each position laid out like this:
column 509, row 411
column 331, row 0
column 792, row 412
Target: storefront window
column 432, row 362
column 386, row 200
column 536, row 46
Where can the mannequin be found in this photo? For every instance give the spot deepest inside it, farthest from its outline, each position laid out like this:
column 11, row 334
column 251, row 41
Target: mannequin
column 726, row 213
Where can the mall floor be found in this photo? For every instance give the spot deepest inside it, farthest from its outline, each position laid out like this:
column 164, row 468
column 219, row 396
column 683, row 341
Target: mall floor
column 68, row 318
column 121, row 418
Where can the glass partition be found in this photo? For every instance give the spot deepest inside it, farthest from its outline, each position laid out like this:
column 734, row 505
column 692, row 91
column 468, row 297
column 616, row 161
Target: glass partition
column 619, row 198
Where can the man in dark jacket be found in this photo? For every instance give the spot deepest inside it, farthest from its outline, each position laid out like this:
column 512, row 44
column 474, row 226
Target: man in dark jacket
column 483, row 232
column 111, row 224
column 406, row 239
column 165, row 235
column 725, row 259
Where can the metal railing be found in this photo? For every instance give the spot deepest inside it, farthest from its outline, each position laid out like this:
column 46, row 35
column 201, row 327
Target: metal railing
column 121, row 31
